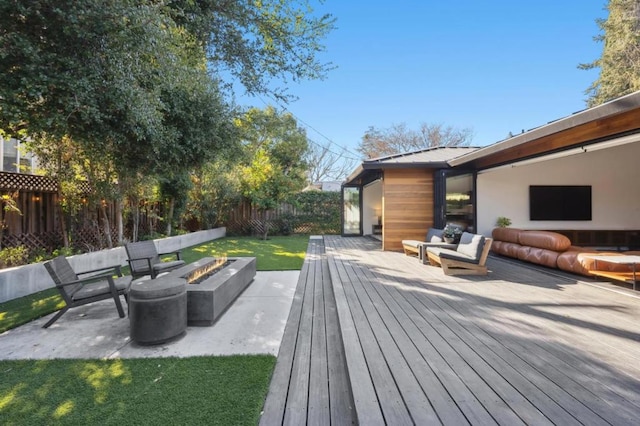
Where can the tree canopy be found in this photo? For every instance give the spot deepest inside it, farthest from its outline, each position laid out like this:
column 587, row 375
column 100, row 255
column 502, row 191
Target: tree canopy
column 620, row 61
column 274, row 168
column 398, row 139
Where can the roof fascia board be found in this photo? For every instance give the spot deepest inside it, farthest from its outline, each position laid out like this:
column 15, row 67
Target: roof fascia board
column 605, row 110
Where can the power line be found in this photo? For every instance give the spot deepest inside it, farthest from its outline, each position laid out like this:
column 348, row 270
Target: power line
column 345, row 149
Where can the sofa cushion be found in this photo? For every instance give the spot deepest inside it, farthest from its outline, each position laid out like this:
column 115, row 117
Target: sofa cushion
column 452, row 254
column 471, row 245
column 509, row 235
column 569, row 262
column 539, row 256
column 505, row 248
column 544, row 240
column 434, row 235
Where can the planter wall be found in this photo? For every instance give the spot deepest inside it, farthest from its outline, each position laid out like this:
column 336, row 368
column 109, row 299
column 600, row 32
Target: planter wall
column 28, row 279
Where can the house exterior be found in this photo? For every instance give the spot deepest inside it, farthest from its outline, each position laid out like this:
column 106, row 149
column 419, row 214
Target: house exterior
column 400, row 196
column 595, row 150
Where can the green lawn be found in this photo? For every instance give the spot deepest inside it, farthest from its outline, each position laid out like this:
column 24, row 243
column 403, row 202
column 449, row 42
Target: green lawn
column 201, row 390
column 183, row 391
column 274, row 254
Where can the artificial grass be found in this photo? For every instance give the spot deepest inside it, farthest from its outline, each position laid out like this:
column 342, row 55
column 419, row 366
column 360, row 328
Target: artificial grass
column 226, row 390
column 24, row 309
column 274, row 254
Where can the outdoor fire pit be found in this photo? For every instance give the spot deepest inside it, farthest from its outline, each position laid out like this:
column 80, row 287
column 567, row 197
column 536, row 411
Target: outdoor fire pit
column 196, row 294
column 214, row 284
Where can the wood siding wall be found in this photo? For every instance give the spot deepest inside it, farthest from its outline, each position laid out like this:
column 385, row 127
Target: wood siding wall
column 407, row 203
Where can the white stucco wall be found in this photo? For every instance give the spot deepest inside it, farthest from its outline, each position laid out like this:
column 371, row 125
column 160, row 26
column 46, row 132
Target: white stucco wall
column 613, row 173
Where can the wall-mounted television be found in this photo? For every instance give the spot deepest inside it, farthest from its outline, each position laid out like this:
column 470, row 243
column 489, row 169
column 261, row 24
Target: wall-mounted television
column 555, row 202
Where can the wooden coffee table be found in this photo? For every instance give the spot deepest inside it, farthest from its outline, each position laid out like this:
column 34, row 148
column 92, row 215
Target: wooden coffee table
column 625, row 259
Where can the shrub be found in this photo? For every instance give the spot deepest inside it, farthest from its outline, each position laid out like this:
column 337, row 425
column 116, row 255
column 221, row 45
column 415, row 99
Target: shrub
column 13, row 256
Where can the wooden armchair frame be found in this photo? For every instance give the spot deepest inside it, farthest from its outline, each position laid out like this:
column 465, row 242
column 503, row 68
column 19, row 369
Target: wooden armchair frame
column 461, row 267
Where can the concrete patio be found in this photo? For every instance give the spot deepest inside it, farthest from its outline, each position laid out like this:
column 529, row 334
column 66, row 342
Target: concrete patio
column 252, row 325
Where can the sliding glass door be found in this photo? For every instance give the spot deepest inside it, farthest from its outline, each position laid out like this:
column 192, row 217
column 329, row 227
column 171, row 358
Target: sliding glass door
column 351, row 211
column 455, row 200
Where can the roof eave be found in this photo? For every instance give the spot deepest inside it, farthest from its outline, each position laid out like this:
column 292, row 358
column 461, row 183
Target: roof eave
column 605, row 110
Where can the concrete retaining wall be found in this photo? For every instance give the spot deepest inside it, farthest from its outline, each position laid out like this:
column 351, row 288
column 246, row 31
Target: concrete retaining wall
column 28, row 279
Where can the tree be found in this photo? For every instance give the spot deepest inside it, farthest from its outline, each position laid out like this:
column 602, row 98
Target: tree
column 275, row 167
column 215, row 191
column 325, row 164
column 398, row 139
column 620, row 61
column 259, row 42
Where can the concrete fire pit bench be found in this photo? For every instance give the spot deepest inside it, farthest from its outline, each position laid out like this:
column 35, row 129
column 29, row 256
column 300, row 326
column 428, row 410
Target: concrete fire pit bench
column 196, row 294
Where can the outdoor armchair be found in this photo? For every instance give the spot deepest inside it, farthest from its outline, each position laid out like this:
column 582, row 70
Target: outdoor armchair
column 144, row 259
column 434, row 238
column 469, row 258
column 79, row 291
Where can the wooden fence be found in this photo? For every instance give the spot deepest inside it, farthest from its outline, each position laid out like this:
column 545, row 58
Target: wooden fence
column 245, row 219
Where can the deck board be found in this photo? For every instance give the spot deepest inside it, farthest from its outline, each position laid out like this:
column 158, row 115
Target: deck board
column 309, row 383
column 408, row 345
column 503, row 346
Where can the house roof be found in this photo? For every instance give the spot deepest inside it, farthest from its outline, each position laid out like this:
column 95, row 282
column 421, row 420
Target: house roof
column 434, row 157
column 586, row 126
column 616, row 121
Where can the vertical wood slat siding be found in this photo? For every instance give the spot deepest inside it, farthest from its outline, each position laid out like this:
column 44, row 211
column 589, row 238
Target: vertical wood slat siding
column 407, row 198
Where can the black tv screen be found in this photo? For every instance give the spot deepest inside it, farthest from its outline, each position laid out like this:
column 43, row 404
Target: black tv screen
column 559, row 202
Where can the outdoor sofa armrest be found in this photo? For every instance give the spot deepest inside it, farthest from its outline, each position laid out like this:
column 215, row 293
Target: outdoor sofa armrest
column 116, row 268
column 178, row 254
column 89, row 280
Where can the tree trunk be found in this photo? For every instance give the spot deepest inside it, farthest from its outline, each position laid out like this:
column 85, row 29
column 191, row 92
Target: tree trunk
column 265, row 225
column 105, row 225
column 63, row 225
column 169, row 217
column 136, row 220
column 119, row 209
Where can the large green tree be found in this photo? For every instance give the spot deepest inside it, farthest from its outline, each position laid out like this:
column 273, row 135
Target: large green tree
column 274, row 168
column 620, row 61
column 133, row 86
column 262, row 44
column 398, row 139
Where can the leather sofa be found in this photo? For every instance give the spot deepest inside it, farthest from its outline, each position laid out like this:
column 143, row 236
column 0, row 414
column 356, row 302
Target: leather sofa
column 550, row 249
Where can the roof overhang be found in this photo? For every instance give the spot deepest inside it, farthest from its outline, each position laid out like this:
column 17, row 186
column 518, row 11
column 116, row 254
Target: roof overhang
column 613, row 119
column 369, row 171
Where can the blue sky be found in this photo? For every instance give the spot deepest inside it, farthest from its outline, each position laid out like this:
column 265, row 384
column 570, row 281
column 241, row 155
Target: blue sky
column 494, row 66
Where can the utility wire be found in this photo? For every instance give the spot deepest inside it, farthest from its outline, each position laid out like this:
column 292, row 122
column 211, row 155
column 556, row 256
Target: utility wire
column 342, row 148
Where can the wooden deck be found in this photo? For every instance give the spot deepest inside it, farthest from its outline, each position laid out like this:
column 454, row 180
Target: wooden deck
column 519, row 346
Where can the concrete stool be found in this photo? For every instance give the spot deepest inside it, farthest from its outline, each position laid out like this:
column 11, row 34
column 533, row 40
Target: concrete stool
column 158, row 309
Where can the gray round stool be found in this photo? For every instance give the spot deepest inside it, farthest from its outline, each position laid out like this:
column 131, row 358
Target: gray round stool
column 158, row 309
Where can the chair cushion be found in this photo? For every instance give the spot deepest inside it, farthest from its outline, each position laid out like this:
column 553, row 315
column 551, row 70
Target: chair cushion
column 471, row 245
column 101, row 287
column 411, row 243
column 444, row 253
column 165, row 266
column 434, row 235
column 545, row 240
